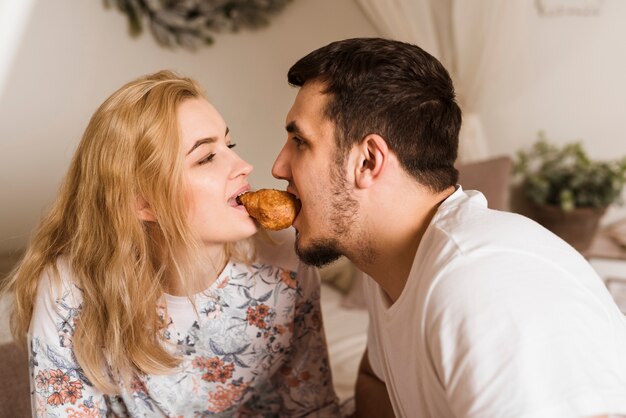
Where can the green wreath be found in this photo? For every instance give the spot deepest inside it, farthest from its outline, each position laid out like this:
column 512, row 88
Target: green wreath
column 189, row 23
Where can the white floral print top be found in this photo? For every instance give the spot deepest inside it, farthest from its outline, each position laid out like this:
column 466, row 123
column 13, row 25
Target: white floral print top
column 255, row 348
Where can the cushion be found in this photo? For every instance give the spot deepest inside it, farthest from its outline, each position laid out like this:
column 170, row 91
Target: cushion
column 617, row 232
column 355, row 298
column 492, row 177
column 346, row 278
column 339, row 274
column 14, row 386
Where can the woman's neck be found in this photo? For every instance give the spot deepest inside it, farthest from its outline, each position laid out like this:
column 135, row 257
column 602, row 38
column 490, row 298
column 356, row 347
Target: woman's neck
column 198, row 272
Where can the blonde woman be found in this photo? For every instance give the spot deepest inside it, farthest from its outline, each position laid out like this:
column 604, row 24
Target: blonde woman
column 139, row 294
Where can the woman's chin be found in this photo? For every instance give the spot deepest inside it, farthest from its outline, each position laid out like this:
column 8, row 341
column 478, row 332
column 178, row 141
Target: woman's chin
column 250, row 228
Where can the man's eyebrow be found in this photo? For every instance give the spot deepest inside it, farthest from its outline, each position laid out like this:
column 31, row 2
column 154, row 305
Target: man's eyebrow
column 292, row 128
column 208, row 140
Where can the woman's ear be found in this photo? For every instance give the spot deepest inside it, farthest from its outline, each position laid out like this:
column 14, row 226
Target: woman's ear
column 372, row 155
column 144, row 211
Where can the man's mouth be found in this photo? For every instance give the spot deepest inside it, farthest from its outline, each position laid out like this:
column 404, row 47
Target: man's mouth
column 293, row 192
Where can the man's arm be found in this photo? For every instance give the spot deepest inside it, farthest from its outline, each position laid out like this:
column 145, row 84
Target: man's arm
column 371, row 397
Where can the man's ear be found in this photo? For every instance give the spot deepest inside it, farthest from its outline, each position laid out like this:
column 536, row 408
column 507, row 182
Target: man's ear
column 371, row 157
column 144, row 211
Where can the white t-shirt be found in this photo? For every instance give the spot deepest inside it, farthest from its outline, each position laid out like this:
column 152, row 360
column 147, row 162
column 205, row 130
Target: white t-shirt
column 498, row 318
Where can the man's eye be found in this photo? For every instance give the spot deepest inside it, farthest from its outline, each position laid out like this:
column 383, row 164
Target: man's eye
column 231, row 145
column 206, row 159
column 299, row 142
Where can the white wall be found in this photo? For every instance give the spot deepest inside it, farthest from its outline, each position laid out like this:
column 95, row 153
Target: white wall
column 576, row 89
column 75, row 53
column 578, row 85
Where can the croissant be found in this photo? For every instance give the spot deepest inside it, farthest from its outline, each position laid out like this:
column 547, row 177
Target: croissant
column 273, row 209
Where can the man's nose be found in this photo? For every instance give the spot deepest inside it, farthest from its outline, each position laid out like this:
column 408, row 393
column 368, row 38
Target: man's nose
column 281, row 169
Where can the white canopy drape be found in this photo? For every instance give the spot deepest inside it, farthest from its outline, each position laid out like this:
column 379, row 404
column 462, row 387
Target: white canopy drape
column 13, row 20
column 473, row 39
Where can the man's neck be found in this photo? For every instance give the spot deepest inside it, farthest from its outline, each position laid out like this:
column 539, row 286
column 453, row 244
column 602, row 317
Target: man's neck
column 396, row 238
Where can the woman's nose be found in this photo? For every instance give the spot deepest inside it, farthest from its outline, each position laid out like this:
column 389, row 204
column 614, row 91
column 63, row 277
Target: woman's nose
column 243, row 168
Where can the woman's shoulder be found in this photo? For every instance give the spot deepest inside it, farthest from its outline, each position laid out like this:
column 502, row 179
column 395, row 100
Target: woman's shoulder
column 58, row 284
column 57, row 302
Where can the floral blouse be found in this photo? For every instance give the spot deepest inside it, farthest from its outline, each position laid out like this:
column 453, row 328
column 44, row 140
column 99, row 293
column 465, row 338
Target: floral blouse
column 255, row 347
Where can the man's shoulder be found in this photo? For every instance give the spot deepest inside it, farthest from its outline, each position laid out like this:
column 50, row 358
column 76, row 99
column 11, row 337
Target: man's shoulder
column 521, row 286
column 470, row 229
column 468, row 218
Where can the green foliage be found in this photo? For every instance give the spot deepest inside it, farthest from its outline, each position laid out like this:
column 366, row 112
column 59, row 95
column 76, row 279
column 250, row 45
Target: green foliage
column 566, row 177
column 189, row 23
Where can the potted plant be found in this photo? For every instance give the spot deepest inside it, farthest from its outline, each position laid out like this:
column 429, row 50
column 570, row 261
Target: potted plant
column 568, row 191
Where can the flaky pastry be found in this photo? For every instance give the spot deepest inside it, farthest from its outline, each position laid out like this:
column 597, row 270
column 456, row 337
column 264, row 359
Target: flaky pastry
column 273, row 209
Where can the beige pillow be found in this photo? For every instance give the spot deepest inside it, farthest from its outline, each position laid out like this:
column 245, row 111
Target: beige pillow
column 355, row 299
column 338, row 274
column 346, row 278
column 491, row 177
column 14, row 388
column 617, row 232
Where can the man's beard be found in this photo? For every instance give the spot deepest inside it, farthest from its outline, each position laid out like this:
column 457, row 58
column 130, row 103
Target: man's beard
column 343, row 208
column 319, row 253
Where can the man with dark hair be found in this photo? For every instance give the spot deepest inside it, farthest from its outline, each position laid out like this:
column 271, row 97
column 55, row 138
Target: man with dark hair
column 473, row 312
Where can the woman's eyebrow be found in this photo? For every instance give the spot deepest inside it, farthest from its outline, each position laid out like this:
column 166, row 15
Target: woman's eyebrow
column 208, row 140
column 202, row 141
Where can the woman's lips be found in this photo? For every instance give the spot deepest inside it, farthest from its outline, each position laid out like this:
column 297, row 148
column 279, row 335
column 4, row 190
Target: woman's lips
column 234, row 201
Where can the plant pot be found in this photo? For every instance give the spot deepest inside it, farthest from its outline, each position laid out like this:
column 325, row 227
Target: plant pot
column 577, row 226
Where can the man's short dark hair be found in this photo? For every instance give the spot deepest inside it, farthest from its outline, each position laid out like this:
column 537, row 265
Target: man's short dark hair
column 393, row 89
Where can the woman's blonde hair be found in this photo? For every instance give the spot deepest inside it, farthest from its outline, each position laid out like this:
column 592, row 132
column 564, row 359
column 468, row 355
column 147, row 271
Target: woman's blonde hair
column 130, row 152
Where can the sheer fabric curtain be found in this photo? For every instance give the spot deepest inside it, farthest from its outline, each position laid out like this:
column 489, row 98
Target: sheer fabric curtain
column 473, row 39
column 14, row 17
